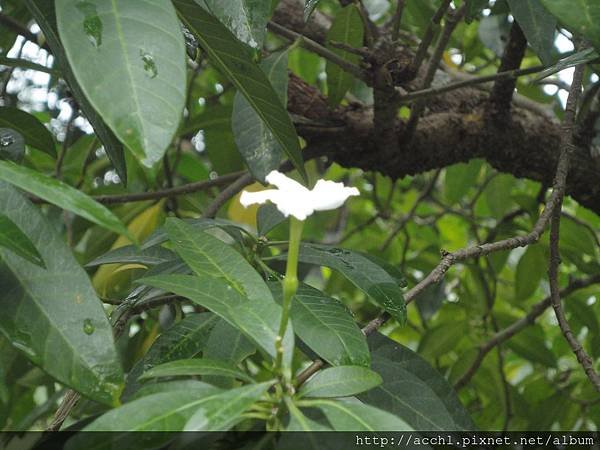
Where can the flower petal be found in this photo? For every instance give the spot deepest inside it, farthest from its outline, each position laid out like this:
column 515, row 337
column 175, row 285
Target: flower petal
column 330, row 195
column 251, row 198
column 285, row 183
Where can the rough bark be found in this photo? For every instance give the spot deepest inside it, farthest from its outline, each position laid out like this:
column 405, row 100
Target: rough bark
column 453, row 129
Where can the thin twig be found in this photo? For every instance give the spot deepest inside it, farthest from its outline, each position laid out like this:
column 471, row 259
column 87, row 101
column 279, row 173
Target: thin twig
column 317, row 48
column 226, row 194
column 453, row 19
column 428, row 37
column 166, row 193
column 536, row 311
column 397, row 19
column 14, row 25
column 434, row 91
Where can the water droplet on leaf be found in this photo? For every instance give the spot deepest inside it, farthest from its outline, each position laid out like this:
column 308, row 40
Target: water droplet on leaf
column 149, row 64
column 88, row 326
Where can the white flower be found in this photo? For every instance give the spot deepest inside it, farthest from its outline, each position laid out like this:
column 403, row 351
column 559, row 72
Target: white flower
column 293, row 198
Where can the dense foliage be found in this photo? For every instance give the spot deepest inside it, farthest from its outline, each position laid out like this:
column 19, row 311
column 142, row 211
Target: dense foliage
column 137, row 293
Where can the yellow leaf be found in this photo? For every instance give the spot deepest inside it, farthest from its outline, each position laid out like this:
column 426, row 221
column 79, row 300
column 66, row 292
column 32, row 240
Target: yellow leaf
column 110, row 279
column 238, row 213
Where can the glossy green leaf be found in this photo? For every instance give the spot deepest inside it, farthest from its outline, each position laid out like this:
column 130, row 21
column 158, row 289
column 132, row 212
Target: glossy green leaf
column 227, row 343
column 13, row 239
column 173, row 386
column 255, row 141
column 341, row 381
column 578, row 16
column 53, row 315
column 347, row 28
column 222, row 411
column 299, row 422
column 61, row 194
column 537, row 25
column 44, row 14
column 130, row 254
column 232, row 58
column 190, row 367
column 531, row 269
column 12, row 145
column 168, row 411
column 246, row 19
column 352, row 415
column 145, row 50
column 35, row 133
column 367, row 276
column 581, row 57
column 413, row 390
column 259, row 321
column 326, row 326
column 207, row 255
column 185, row 339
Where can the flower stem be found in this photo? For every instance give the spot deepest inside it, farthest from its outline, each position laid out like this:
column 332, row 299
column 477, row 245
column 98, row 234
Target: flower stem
column 290, row 285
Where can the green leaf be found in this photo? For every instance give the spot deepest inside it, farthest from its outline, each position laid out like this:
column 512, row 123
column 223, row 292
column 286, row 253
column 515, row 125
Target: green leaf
column 12, row 145
column 189, row 367
column 347, row 28
column 130, row 254
column 578, row 16
column 35, row 134
column 267, row 218
column 227, row 343
column 441, row 339
column 259, row 321
column 61, row 194
column 537, row 25
column 531, row 269
column 186, row 339
column 309, row 7
column 350, row 415
column 13, row 239
column 529, row 343
column 326, row 326
column 246, row 19
column 497, row 194
column 413, row 390
column 255, row 141
column 362, row 272
column 459, row 178
column 299, row 422
column 582, row 57
column 175, row 385
column 207, row 255
column 222, row 411
column 341, row 381
column 168, row 411
column 143, row 94
column 44, row 14
column 53, row 315
column 233, row 59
